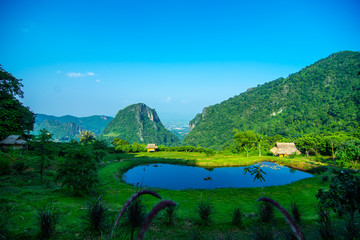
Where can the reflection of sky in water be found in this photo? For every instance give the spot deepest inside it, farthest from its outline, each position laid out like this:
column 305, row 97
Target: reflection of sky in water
column 178, row 177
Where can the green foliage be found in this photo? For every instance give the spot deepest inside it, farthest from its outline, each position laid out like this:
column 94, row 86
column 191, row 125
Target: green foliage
column 78, row 170
column 42, row 146
column 343, row 194
column 87, row 137
column 295, row 212
column 139, row 123
column 47, row 219
column 350, row 153
column 237, row 217
column 266, row 212
column 325, row 224
column 96, row 219
column 321, row 97
column 4, row 164
column 169, row 215
column 135, row 214
column 15, row 119
column 205, row 210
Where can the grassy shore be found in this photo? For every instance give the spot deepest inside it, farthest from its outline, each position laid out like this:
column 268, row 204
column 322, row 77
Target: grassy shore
column 23, row 198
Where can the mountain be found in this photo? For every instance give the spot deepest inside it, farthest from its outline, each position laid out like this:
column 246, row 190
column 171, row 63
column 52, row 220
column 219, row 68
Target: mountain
column 67, row 128
column 139, row 123
column 322, row 97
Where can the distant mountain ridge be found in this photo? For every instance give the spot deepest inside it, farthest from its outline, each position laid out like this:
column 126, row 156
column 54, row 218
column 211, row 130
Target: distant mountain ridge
column 67, row 128
column 324, row 96
column 141, row 124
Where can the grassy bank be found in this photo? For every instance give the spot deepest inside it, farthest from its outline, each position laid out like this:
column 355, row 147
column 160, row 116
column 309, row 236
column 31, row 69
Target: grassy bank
column 24, row 198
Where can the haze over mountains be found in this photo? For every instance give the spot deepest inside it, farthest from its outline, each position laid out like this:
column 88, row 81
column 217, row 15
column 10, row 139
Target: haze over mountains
column 324, row 96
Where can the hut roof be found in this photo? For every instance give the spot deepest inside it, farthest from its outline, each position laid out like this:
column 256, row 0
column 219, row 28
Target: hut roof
column 12, row 140
column 285, row 148
column 151, row 145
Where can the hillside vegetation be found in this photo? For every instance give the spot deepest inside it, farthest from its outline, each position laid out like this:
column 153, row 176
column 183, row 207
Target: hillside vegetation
column 141, row 124
column 322, row 97
column 67, row 128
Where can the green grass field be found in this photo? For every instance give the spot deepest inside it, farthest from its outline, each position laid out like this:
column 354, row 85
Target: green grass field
column 23, row 197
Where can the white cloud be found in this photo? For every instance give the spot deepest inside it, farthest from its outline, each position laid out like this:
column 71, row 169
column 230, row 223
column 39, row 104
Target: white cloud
column 58, row 72
column 97, row 80
column 76, row 75
column 168, row 99
column 185, row 101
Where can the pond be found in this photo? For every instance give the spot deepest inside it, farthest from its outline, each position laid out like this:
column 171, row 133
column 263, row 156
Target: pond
column 178, row 177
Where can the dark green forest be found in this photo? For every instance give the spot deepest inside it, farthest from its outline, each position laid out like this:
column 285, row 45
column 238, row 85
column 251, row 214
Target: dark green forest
column 324, row 96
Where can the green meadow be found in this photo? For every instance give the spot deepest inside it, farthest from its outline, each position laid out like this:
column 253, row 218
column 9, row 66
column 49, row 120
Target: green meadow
column 24, row 196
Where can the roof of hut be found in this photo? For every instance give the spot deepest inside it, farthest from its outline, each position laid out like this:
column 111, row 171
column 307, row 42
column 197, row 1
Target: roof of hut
column 151, row 145
column 285, row 148
column 12, row 140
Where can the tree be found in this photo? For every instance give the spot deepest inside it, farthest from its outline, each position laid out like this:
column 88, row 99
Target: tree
column 78, row 170
column 245, row 140
column 15, row 119
column 87, row 137
column 343, row 194
column 350, row 152
column 43, row 148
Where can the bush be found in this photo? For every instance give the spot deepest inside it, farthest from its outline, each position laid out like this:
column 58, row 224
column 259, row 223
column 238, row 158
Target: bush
column 78, row 170
column 135, row 215
column 4, row 165
column 295, row 212
column 266, row 212
column 325, row 224
column 205, row 210
column 96, row 217
column 237, row 217
column 47, row 219
column 169, row 215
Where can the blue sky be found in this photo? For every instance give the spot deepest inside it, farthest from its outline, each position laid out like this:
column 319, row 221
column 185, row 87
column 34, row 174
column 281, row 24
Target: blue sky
column 96, row 57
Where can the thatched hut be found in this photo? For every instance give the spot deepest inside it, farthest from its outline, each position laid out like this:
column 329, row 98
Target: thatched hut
column 13, row 142
column 151, row 147
column 284, row 149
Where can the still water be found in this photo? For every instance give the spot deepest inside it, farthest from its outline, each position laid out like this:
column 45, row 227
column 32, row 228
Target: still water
column 177, row 177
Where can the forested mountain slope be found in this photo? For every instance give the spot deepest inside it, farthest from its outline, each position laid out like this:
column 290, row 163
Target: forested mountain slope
column 141, row 124
column 67, row 128
column 322, row 97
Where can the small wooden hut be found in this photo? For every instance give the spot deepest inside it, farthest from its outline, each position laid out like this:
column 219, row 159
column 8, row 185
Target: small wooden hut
column 13, row 142
column 284, row 149
column 151, row 147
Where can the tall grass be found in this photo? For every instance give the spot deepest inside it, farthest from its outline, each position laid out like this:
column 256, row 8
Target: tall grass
column 325, row 225
column 96, row 219
column 205, row 211
column 47, row 218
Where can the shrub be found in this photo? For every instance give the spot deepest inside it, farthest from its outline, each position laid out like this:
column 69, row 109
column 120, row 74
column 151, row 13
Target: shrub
column 237, row 217
column 4, row 165
column 169, row 215
column 135, row 215
column 295, row 212
column 263, row 232
column 325, row 224
column 205, row 210
column 47, row 218
column 266, row 212
column 96, row 217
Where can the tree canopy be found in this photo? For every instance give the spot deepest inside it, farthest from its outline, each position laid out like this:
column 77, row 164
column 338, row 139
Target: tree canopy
column 15, row 118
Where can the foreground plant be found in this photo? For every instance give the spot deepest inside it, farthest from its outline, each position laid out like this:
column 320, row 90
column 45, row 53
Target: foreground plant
column 96, row 217
column 237, row 217
column 161, row 205
column 47, row 219
column 205, row 210
column 294, row 227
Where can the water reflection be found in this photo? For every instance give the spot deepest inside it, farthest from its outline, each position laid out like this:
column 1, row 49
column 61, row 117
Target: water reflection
column 179, row 177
